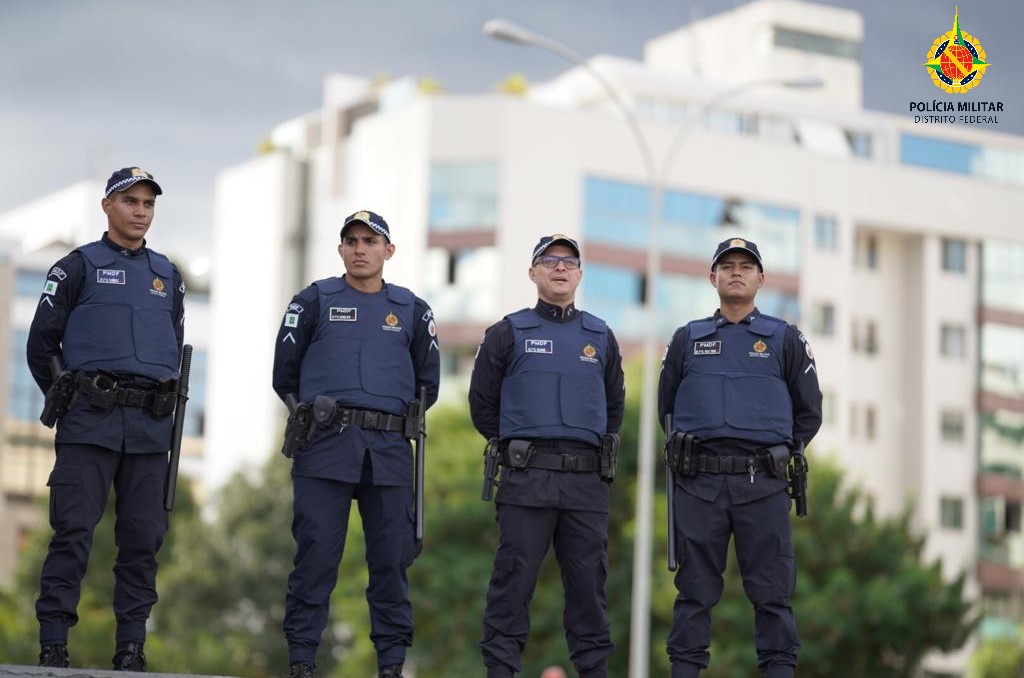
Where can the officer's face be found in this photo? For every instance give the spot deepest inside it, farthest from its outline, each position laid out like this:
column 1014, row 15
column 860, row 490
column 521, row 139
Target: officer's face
column 129, row 214
column 737, row 277
column 364, row 252
column 556, row 285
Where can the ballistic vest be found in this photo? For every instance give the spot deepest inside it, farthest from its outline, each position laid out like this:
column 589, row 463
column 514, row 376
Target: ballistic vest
column 554, row 382
column 123, row 320
column 360, row 350
column 733, row 384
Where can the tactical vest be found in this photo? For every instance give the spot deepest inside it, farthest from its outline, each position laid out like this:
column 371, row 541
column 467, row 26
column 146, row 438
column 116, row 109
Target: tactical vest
column 554, row 382
column 360, row 350
column 123, row 321
column 733, row 384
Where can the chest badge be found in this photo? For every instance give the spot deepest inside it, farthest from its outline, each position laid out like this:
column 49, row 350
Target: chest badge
column 707, row 347
column 539, row 346
column 342, row 314
column 588, row 354
column 760, row 350
column 157, row 288
column 391, row 323
column 107, row 276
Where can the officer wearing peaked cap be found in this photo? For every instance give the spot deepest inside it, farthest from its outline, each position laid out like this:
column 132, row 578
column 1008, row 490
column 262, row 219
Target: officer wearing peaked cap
column 357, row 350
column 745, row 386
column 547, row 389
column 111, row 313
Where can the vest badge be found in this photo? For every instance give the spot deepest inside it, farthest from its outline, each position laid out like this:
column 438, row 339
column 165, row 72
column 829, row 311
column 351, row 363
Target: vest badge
column 157, row 288
column 588, row 354
column 391, row 323
column 760, row 350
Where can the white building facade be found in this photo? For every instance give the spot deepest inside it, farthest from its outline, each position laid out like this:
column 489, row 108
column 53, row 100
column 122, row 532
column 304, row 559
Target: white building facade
column 893, row 245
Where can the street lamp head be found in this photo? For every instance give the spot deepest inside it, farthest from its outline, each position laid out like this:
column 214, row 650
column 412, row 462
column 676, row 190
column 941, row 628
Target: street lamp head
column 500, row 29
column 804, row 82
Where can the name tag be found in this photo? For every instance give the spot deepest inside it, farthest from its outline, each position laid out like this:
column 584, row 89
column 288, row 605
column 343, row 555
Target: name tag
column 707, row 347
column 343, row 315
column 107, row 276
column 540, row 346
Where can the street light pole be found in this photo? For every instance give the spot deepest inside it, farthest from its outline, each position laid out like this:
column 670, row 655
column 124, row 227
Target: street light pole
column 501, row 29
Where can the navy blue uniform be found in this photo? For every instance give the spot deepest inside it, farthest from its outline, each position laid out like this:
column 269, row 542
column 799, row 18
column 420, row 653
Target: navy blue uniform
column 106, row 308
column 554, row 378
column 739, row 388
column 371, row 351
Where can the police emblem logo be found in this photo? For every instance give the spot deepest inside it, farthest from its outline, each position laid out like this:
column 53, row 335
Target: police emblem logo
column 342, row 315
column 391, row 323
column 138, row 172
column 361, row 216
column 760, row 349
column 588, row 354
column 956, row 60
column 157, row 288
column 737, row 242
column 539, row 346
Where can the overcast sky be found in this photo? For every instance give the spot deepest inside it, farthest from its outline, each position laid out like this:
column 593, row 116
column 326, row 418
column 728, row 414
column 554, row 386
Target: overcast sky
column 187, row 88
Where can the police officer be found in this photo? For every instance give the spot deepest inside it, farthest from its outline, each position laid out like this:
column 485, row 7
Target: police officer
column 740, row 382
column 112, row 312
column 548, row 383
column 358, row 349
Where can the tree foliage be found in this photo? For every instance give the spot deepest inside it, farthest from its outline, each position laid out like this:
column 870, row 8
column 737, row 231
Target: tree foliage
column 866, row 604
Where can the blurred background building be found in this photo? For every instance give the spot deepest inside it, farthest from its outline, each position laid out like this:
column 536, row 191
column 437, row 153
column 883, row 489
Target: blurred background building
column 893, row 244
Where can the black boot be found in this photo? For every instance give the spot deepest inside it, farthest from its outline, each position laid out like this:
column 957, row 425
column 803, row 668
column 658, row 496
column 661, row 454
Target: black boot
column 301, row 670
column 130, row 657
column 54, row 655
column 390, row 671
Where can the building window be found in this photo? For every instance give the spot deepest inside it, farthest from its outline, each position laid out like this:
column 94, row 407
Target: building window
column 463, row 196
column 870, row 422
column 951, row 513
column 954, row 255
column 860, row 143
column 816, row 43
column 1002, row 274
column 952, row 339
column 854, row 421
column 867, row 251
column 823, row 319
column 952, row 426
column 826, row 236
column 865, row 337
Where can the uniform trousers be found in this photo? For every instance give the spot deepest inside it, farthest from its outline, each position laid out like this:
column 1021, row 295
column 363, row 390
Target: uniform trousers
column 764, row 554
column 580, row 539
column 79, row 486
column 320, row 526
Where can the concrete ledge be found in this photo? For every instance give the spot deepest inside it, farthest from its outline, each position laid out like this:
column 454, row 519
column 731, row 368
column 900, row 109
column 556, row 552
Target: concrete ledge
column 14, row 671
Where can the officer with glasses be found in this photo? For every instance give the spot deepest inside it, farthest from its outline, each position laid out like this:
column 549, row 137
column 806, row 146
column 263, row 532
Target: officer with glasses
column 547, row 391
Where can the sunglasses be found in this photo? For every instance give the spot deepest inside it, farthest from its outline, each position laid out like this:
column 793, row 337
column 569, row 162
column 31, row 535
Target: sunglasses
column 551, row 261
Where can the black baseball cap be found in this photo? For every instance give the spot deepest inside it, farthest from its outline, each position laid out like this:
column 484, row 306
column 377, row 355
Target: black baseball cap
column 556, row 239
column 372, row 220
column 126, row 177
column 737, row 245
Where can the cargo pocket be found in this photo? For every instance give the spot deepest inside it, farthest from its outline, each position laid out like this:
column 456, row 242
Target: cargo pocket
column 62, row 496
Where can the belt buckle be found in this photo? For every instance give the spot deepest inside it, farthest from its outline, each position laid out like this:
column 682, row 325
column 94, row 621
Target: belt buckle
column 371, row 419
column 569, row 462
column 104, row 382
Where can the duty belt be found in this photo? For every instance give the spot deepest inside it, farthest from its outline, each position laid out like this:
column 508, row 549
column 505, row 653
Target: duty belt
column 588, row 460
column 706, row 464
column 373, row 420
column 103, row 390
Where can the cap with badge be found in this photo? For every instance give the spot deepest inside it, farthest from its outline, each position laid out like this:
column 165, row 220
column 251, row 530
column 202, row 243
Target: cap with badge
column 371, row 220
column 126, row 177
column 556, row 239
column 737, row 245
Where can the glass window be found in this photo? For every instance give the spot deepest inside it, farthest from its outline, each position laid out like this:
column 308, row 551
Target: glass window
column 24, row 399
column 1002, row 442
column 828, row 407
column 870, row 422
column 950, row 156
column 823, row 319
column 463, row 196
column 860, row 143
column 29, row 283
column 826, row 235
column 1002, row 275
column 954, row 255
column 952, row 426
column 1002, row 359
column 816, row 43
column 952, row 338
column 866, row 255
column 951, row 513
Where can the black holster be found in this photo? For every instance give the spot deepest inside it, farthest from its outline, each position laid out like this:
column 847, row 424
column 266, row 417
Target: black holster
column 610, row 443
column 298, row 428
column 492, row 463
column 681, row 451
column 58, row 398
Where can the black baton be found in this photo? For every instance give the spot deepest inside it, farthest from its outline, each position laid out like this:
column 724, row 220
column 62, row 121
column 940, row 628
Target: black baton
column 670, row 495
column 421, row 450
column 179, row 423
